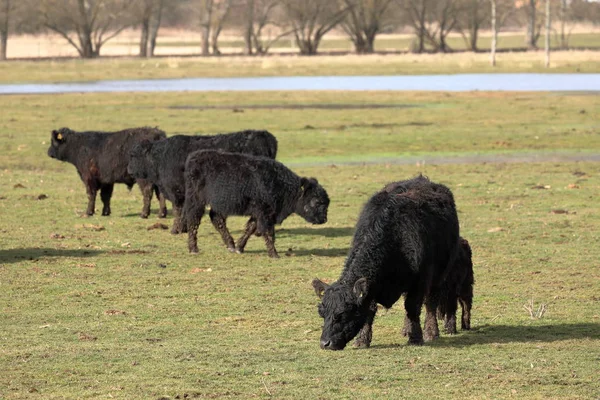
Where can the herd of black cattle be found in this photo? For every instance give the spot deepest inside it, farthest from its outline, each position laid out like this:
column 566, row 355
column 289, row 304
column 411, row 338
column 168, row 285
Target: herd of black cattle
column 406, row 240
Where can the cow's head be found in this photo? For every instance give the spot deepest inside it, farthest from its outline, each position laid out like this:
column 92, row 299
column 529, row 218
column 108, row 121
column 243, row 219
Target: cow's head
column 344, row 309
column 59, row 140
column 313, row 202
column 139, row 160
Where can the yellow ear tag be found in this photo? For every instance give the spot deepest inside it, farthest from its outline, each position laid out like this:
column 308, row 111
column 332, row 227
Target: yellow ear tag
column 360, row 295
column 302, row 188
column 59, row 136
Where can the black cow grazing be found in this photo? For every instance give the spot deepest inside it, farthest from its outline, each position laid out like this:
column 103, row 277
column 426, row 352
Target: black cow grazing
column 101, row 160
column 239, row 184
column 458, row 287
column 405, row 240
column 163, row 162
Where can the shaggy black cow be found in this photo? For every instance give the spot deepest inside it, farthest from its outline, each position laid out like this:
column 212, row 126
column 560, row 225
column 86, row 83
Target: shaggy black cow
column 101, row 160
column 239, row 184
column 405, row 240
column 163, row 162
column 458, row 287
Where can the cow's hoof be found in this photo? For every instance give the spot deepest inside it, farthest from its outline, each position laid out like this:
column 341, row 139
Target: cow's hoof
column 232, row 249
column 274, row 255
column 144, row 216
column 360, row 344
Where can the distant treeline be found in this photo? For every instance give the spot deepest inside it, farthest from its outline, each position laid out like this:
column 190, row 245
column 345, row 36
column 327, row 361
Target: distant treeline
column 88, row 24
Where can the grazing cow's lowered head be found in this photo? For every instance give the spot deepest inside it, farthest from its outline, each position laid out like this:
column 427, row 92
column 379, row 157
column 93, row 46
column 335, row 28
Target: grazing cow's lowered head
column 313, row 202
column 140, row 163
column 344, row 309
column 58, row 139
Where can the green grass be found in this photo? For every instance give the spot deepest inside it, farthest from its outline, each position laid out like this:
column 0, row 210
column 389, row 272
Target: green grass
column 88, row 311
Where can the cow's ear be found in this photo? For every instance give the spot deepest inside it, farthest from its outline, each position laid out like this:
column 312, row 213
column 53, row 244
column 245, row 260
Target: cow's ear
column 320, row 287
column 303, row 184
column 58, row 136
column 361, row 289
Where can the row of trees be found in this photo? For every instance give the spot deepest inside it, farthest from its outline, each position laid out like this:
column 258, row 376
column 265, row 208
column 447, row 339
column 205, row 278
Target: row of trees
column 88, row 24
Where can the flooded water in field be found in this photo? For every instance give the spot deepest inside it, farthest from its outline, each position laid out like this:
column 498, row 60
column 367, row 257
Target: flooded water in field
column 453, row 83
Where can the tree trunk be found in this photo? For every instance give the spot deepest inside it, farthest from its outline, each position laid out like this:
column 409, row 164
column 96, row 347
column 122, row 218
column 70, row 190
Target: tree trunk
column 547, row 41
column 474, row 28
column 248, row 28
column 421, row 30
column 85, row 34
column 494, row 35
column 531, row 38
column 4, row 30
column 154, row 27
column 144, row 37
column 564, row 43
column 215, row 40
column 205, row 19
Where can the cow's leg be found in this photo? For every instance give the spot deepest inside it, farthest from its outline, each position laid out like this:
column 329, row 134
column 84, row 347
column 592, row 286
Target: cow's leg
column 250, row 230
column 363, row 339
column 431, row 330
column 162, row 202
column 147, row 192
column 91, row 188
column 269, row 237
column 193, row 216
column 106, row 191
column 466, row 303
column 220, row 224
column 412, row 305
column 177, row 220
column 449, row 313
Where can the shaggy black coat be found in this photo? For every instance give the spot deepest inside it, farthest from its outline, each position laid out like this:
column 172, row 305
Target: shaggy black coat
column 406, row 239
column 163, row 162
column 458, row 287
column 101, row 160
column 240, row 184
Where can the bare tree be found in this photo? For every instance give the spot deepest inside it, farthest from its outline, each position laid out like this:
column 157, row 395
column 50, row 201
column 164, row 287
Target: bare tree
column 149, row 13
column 311, row 20
column 86, row 24
column 474, row 15
column 445, row 20
column 432, row 21
column 256, row 17
column 364, row 20
column 212, row 16
column 417, row 12
column 533, row 26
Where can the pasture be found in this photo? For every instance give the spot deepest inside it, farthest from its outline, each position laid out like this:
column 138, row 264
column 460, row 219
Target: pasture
column 115, row 307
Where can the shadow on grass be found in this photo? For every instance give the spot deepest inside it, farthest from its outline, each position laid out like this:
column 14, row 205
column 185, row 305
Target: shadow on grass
column 17, row 255
column 303, row 252
column 490, row 334
column 517, row 333
column 325, row 231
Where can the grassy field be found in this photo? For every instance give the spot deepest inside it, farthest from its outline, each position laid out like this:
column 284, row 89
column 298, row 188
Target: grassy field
column 78, row 70
column 104, row 307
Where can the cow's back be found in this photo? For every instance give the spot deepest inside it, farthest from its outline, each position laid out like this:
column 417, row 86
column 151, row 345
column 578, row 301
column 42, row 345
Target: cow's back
column 404, row 234
column 112, row 156
column 229, row 180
